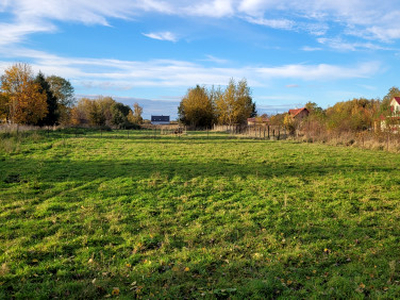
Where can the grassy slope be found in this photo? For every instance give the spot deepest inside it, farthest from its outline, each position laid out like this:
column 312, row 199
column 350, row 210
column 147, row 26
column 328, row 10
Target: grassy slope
column 196, row 216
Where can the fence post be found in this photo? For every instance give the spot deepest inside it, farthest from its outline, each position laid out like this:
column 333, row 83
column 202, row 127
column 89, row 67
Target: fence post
column 387, row 142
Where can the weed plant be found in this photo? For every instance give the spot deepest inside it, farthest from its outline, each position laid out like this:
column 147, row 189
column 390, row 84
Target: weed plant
column 92, row 215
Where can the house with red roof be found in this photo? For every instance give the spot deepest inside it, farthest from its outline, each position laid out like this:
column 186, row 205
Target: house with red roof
column 299, row 113
column 395, row 105
column 392, row 122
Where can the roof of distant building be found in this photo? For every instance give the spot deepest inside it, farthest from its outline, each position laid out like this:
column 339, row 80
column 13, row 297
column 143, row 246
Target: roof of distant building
column 160, row 118
column 397, row 99
column 295, row 112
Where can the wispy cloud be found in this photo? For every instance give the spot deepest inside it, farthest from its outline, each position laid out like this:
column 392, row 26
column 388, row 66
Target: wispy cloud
column 320, row 72
column 273, row 23
column 214, row 59
column 365, row 18
column 310, row 49
column 213, row 8
column 316, row 29
column 341, row 45
column 162, row 36
column 112, row 74
column 17, row 32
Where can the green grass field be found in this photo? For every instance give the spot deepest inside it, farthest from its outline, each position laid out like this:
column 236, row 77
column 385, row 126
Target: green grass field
column 199, row 216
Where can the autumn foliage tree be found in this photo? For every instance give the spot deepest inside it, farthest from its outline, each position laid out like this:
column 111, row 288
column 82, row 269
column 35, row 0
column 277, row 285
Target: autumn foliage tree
column 202, row 108
column 354, row 115
column 196, row 108
column 135, row 116
column 99, row 112
column 22, row 96
column 3, row 107
column 235, row 104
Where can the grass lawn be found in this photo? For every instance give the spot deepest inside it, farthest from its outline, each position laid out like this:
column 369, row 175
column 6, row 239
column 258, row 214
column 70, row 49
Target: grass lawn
column 204, row 215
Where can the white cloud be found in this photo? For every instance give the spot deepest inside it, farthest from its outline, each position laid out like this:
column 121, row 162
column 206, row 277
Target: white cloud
column 310, row 49
column 341, row 45
column 363, row 18
column 14, row 33
column 273, row 23
column 162, row 36
column 366, row 18
column 286, row 24
column 214, row 59
column 320, row 72
column 258, row 7
column 214, row 8
column 122, row 75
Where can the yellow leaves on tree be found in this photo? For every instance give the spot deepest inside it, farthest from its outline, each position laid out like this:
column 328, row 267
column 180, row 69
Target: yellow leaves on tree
column 135, row 117
column 24, row 103
column 196, row 108
column 235, row 104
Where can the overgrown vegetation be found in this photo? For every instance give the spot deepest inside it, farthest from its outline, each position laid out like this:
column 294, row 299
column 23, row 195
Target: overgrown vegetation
column 202, row 108
column 346, row 117
column 38, row 100
column 95, row 215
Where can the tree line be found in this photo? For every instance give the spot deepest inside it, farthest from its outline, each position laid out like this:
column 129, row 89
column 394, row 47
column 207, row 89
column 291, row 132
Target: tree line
column 202, row 107
column 355, row 115
column 105, row 111
column 36, row 99
column 39, row 100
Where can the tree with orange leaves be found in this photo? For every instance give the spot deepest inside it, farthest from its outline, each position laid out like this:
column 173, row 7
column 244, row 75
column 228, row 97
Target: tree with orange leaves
column 25, row 104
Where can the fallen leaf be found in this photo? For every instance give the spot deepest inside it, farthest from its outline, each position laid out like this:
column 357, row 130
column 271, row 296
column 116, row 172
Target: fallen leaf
column 115, row 291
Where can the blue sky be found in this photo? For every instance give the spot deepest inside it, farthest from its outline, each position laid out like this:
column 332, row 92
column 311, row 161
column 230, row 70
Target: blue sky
column 152, row 51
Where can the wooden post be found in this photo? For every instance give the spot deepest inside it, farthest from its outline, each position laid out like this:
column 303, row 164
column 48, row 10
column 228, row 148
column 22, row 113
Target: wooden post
column 279, row 132
column 387, row 142
column 268, row 131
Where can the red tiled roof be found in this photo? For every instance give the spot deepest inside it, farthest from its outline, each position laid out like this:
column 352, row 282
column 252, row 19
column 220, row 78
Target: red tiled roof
column 397, row 99
column 295, row 112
